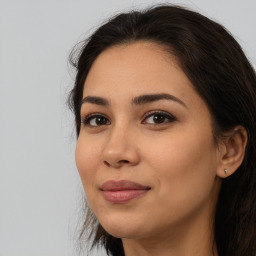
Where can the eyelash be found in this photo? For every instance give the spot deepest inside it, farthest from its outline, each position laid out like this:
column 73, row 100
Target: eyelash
column 170, row 118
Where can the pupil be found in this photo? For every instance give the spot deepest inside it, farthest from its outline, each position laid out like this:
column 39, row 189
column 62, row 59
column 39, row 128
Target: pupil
column 159, row 118
column 101, row 120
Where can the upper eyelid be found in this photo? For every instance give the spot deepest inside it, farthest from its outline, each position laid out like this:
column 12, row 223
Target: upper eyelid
column 152, row 112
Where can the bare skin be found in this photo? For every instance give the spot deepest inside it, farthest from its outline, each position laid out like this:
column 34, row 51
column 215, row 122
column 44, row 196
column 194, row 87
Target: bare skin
column 164, row 142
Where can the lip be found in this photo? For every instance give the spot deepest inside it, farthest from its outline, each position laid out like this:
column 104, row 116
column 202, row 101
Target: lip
column 122, row 191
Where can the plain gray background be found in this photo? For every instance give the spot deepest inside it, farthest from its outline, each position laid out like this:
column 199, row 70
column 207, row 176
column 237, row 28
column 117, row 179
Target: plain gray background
column 40, row 190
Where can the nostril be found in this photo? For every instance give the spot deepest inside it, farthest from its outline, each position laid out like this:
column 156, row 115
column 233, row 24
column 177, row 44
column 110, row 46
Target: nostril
column 106, row 163
column 116, row 164
column 124, row 161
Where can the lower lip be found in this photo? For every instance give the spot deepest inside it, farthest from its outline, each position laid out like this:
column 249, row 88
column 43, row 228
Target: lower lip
column 122, row 196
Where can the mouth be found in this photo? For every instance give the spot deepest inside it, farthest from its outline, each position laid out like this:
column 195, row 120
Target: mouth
column 122, row 191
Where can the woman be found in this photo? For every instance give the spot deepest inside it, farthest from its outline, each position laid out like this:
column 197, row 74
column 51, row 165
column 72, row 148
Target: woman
column 165, row 109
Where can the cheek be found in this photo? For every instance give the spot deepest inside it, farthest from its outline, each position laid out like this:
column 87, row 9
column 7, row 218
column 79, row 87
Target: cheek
column 185, row 167
column 87, row 159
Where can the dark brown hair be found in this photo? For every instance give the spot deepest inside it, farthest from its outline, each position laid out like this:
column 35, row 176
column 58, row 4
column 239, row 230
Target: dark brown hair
column 220, row 72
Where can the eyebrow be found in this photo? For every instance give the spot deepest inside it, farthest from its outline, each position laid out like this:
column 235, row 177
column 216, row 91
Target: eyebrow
column 148, row 98
column 95, row 100
column 140, row 100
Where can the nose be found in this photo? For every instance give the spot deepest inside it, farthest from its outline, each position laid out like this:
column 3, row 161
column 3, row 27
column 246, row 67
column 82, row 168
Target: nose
column 120, row 149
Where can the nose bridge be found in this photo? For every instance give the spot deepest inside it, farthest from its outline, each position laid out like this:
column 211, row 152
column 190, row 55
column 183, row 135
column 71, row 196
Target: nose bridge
column 120, row 147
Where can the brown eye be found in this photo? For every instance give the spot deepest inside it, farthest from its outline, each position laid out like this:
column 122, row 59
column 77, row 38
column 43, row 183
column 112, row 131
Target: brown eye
column 100, row 120
column 96, row 120
column 159, row 118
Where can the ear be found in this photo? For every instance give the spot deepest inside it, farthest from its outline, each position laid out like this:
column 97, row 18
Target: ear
column 232, row 151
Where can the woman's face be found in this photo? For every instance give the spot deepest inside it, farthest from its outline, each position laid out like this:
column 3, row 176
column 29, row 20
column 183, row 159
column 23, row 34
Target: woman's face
column 143, row 123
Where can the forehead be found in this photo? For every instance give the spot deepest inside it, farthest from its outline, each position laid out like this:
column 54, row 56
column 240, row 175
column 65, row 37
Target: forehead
column 137, row 68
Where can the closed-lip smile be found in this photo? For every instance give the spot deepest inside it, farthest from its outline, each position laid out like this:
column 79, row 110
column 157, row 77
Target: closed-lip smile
column 122, row 191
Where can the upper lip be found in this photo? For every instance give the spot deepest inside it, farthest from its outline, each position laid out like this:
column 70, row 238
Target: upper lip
column 113, row 185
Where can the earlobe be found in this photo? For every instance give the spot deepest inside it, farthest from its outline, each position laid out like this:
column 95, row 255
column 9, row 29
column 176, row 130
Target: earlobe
column 233, row 151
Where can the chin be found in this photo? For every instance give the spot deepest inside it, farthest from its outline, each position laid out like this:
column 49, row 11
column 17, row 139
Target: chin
column 121, row 227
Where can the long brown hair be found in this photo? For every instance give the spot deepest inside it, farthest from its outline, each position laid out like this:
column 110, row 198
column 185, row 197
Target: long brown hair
column 220, row 72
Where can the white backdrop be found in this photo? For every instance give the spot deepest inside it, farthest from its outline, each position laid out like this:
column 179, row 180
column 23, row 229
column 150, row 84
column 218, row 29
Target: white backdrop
column 39, row 186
